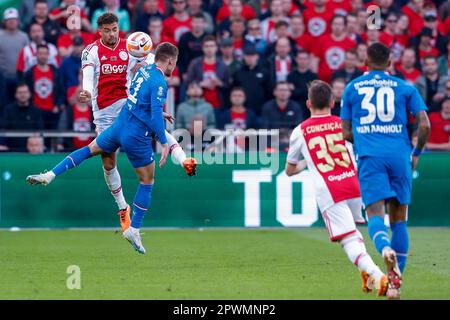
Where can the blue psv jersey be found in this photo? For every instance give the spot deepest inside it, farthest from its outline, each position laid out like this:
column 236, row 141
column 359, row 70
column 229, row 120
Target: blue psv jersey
column 378, row 105
column 148, row 93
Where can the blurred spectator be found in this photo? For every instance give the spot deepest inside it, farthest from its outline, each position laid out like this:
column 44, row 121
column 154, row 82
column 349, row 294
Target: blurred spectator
column 12, row 40
column 195, row 106
column 281, row 112
column 372, row 36
column 253, row 79
column 280, row 64
column 223, row 28
column 230, row 8
column 299, row 80
column 228, row 57
column 190, row 44
column 150, row 10
column 437, row 104
column 350, row 70
column 27, row 56
column 43, row 81
column 177, row 24
column 407, row 65
column 425, row 47
column 290, row 8
column 298, row 33
column 329, row 53
column 387, row 7
column 387, row 36
column 342, row 7
column 401, row 35
column 21, row 115
column 237, row 31
column 362, row 16
column 431, row 85
column 41, row 16
column 71, row 65
column 440, row 128
column 35, row 145
column 155, row 28
column 194, row 8
column 268, row 24
column 26, row 9
column 437, row 39
column 361, row 54
column 65, row 41
column 282, row 31
column 211, row 73
column 238, row 117
column 113, row 6
column 77, row 117
column 254, row 36
column 67, row 9
column 337, row 87
column 444, row 62
column 354, row 30
column 317, row 18
column 414, row 11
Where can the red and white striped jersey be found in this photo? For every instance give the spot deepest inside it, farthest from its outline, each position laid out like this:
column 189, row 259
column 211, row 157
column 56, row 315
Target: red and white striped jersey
column 329, row 158
column 110, row 72
column 27, row 57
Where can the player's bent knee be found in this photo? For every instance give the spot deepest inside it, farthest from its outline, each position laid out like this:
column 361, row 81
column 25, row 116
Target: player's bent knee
column 375, row 209
column 94, row 148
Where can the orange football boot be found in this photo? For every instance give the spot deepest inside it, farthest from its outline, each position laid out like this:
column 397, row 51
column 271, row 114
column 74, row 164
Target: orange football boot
column 383, row 286
column 190, row 165
column 124, row 216
column 366, row 285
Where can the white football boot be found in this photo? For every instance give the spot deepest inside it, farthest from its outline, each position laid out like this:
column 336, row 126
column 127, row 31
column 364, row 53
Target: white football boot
column 42, row 178
column 133, row 237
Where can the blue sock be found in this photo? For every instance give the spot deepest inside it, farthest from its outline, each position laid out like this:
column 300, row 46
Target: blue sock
column 140, row 204
column 378, row 232
column 72, row 160
column 400, row 242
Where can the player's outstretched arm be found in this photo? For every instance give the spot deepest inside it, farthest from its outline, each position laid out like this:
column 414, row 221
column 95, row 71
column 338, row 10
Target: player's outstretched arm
column 423, row 132
column 347, row 130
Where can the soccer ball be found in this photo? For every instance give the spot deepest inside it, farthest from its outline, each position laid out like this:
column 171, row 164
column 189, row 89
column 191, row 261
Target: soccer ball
column 139, row 44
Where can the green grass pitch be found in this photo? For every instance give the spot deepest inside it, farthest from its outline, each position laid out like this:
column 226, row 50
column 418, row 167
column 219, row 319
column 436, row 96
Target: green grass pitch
column 208, row 264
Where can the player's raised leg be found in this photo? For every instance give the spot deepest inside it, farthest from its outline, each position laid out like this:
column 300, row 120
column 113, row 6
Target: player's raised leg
column 114, row 183
column 176, row 152
column 71, row 161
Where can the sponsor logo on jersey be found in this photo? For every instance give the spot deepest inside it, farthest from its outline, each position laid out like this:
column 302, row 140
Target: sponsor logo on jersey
column 109, row 69
column 104, row 58
column 160, row 91
column 123, row 55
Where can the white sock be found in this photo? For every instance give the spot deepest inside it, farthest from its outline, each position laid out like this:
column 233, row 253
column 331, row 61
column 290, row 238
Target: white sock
column 355, row 249
column 50, row 176
column 114, row 183
column 176, row 151
column 134, row 230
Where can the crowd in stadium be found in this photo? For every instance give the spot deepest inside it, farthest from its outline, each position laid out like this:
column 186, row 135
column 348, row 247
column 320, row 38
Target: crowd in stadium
column 242, row 64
